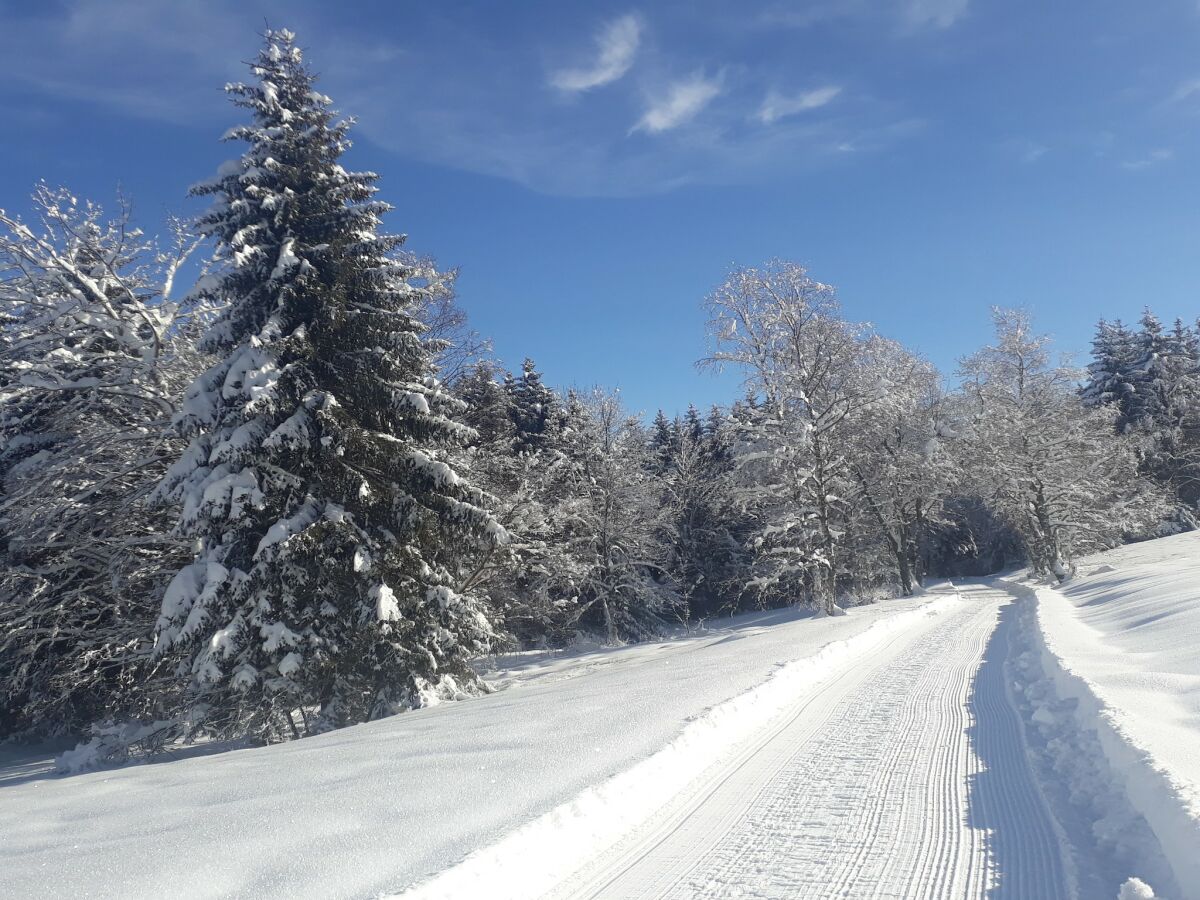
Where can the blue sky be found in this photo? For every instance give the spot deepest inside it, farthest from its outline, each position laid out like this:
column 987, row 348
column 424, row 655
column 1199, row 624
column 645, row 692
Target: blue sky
column 595, row 168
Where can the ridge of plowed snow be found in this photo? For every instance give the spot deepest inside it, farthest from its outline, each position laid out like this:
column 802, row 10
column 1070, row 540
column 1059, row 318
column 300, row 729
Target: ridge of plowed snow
column 1118, row 643
column 1112, row 839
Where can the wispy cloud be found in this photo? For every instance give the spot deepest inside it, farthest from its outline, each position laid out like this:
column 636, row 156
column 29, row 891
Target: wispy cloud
column 792, row 15
column 431, row 91
column 680, row 103
column 617, row 45
column 1153, row 158
column 1185, row 91
column 100, row 52
column 778, row 106
column 875, row 138
column 934, row 13
column 1033, row 152
column 912, row 15
column 1024, row 150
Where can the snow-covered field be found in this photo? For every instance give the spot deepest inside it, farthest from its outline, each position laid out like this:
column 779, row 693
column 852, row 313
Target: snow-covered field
column 987, row 739
column 376, row 807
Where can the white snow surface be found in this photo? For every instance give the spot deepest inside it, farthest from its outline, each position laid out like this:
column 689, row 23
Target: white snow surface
column 377, row 808
column 958, row 744
column 537, row 858
column 1119, row 706
column 1139, row 644
column 900, row 774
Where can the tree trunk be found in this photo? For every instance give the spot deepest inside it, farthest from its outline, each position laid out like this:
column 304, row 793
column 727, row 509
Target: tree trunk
column 1052, row 557
column 905, row 567
column 609, row 624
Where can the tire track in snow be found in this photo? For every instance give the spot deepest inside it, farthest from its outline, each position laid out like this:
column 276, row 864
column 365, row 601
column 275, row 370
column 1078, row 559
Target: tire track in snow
column 904, row 779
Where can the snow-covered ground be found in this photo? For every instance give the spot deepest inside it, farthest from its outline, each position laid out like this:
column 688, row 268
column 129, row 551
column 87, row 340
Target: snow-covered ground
column 902, row 777
column 377, row 807
column 995, row 739
column 1111, row 678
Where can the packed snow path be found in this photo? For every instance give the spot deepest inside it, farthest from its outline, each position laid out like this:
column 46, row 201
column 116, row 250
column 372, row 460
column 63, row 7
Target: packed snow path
column 905, row 777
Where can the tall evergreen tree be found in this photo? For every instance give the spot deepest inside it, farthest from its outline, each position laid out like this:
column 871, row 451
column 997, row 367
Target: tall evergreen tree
column 664, row 443
column 692, row 426
column 1150, row 378
column 489, row 405
column 1170, row 388
column 1111, row 375
column 1151, row 353
column 702, row 530
column 534, row 408
column 712, row 424
column 331, row 531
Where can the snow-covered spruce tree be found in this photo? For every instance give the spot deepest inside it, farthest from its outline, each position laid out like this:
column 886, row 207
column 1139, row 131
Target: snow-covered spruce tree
column 94, row 353
column 488, row 408
column 1053, row 468
column 330, row 532
column 526, row 483
column 577, row 496
column 534, row 409
column 691, row 426
column 1166, row 406
column 1111, row 372
column 523, row 483
column 1150, row 366
column 664, row 442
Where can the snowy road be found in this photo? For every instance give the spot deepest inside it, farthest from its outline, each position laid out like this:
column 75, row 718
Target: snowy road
column 904, row 777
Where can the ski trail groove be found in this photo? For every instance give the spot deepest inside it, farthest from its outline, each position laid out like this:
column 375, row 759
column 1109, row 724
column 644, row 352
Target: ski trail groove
column 808, row 716
column 905, row 777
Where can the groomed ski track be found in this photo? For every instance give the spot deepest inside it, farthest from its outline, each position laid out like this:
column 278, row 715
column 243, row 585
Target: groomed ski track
column 904, row 776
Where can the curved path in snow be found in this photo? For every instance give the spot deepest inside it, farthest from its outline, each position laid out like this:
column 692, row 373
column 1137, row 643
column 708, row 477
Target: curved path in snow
column 905, row 777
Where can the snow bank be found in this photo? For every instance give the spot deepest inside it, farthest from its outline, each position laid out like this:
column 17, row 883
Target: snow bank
column 1109, row 838
column 1111, row 680
column 533, row 859
column 373, row 808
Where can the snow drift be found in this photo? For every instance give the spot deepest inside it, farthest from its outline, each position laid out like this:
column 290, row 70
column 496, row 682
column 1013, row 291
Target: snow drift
column 1110, row 677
